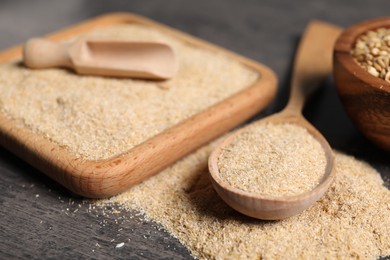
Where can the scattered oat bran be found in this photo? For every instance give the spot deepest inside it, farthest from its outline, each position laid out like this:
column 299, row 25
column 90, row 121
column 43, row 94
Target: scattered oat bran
column 97, row 117
column 372, row 52
column 120, row 245
column 274, row 160
column 349, row 222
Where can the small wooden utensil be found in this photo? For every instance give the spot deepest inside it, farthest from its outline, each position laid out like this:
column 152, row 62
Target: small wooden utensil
column 152, row 60
column 312, row 64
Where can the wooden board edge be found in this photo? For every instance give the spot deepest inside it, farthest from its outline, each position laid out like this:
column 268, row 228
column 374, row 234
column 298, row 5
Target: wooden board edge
column 104, row 178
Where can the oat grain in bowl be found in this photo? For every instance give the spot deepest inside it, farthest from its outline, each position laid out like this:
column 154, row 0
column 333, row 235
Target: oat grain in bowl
column 372, row 52
column 273, row 160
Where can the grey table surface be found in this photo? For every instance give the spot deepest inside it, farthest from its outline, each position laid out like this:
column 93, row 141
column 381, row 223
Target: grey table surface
column 39, row 219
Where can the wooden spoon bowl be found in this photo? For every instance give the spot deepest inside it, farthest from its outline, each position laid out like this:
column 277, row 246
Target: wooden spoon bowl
column 268, row 207
column 365, row 97
column 312, row 64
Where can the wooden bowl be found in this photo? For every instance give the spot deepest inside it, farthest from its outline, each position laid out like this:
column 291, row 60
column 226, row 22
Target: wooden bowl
column 365, row 97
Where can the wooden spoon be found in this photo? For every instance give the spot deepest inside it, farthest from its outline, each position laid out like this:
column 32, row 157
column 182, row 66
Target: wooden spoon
column 312, row 64
column 153, row 60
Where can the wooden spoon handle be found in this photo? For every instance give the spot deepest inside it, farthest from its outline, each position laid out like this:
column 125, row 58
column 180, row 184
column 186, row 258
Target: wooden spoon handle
column 39, row 53
column 313, row 62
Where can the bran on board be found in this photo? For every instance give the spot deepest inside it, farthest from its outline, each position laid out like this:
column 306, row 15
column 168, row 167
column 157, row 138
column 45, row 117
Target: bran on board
column 98, row 118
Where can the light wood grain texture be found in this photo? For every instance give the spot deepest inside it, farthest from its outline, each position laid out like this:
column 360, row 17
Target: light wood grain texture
column 103, row 57
column 312, row 64
column 366, row 98
column 105, row 178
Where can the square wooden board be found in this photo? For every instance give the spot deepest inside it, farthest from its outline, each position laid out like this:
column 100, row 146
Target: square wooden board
column 104, row 178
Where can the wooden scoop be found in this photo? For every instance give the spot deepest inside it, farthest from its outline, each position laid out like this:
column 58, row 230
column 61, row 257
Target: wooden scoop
column 152, row 60
column 312, row 64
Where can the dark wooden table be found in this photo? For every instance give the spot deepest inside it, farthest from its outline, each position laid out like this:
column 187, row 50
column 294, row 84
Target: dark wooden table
column 40, row 219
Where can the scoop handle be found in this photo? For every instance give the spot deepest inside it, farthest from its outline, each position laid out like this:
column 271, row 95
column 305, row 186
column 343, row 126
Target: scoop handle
column 313, row 62
column 40, row 53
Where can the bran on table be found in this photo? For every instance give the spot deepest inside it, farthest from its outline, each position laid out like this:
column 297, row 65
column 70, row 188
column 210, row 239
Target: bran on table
column 349, row 222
